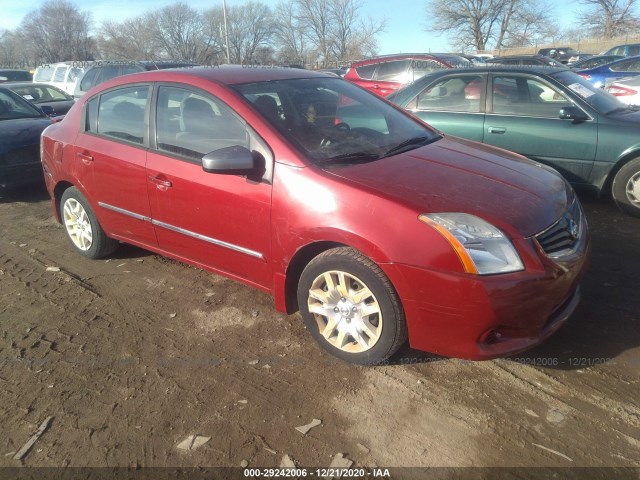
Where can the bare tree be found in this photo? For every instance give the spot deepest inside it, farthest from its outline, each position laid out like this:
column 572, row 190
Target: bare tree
column 478, row 23
column 58, row 31
column 315, row 18
column 250, row 27
column 133, row 39
column 12, row 52
column 610, row 18
column 182, row 33
column 351, row 36
column 288, row 33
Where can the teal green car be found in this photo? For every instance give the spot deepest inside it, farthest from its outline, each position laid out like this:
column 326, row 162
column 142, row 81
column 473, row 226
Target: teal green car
column 550, row 115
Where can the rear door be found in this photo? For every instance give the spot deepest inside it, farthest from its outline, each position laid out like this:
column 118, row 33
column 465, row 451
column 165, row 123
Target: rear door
column 111, row 151
column 453, row 104
column 523, row 116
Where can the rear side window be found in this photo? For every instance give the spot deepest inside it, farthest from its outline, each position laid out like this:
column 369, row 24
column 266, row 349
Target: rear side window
column 44, row 74
column 88, row 80
column 59, row 75
column 453, row 94
column 526, row 97
column 121, row 114
column 366, row 71
column 628, row 66
column 421, row 67
column 634, row 50
column 395, row 71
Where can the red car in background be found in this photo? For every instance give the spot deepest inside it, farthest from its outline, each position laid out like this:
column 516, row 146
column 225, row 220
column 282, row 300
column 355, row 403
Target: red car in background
column 384, row 75
column 377, row 228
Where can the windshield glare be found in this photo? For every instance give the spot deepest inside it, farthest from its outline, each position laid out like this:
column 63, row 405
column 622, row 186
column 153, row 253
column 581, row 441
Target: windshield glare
column 334, row 122
column 12, row 106
column 601, row 101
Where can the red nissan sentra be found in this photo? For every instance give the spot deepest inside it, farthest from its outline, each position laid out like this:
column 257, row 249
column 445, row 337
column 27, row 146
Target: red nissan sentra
column 375, row 226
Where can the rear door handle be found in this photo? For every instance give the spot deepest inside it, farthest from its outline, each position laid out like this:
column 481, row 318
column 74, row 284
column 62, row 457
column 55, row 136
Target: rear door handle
column 161, row 182
column 497, row 130
column 86, row 158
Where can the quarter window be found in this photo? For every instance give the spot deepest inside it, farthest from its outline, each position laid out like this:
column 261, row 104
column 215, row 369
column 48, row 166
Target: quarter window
column 526, row 97
column 121, row 113
column 192, row 124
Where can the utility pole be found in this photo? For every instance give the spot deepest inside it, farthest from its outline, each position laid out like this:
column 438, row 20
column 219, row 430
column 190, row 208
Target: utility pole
column 226, row 33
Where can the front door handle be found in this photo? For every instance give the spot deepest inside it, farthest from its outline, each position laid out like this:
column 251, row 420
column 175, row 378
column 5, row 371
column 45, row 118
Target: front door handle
column 161, row 183
column 497, row 130
column 86, row 158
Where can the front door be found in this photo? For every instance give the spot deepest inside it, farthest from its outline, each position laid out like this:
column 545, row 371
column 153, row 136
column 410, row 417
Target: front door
column 523, row 116
column 218, row 220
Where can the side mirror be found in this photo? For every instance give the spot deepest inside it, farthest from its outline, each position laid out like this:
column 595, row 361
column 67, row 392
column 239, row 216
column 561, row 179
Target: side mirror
column 573, row 113
column 48, row 110
column 235, row 160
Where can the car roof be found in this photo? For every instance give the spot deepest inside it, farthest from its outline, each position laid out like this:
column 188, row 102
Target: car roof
column 497, row 68
column 224, row 74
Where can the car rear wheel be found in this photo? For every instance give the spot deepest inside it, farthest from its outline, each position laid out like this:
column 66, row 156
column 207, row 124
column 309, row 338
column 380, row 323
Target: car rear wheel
column 626, row 188
column 350, row 307
column 82, row 226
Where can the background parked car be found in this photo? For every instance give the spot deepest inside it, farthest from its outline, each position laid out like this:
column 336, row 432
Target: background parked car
column 103, row 71
column 564, row 54
column 44, row 96
column 628, row 50
column 21, row 124
column 627, row 91
column 384, row 75
column 63, row 75
column 594, row 61
column 550, row 115
column 13, row 75
column 623, row 68
column 523, row 60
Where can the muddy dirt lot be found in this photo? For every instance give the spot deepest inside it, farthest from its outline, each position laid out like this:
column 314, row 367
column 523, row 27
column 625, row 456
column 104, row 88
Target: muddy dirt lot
column 132, row 354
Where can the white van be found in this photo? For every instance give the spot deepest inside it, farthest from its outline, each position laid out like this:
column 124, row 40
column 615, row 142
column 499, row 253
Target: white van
column 62, row 75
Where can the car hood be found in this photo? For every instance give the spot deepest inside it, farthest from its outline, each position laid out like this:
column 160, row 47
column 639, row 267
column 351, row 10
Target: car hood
column 21, row 133
column 627, row 116
column 454, row 175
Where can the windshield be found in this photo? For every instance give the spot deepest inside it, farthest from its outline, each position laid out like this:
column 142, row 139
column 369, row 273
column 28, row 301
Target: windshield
column 334, row 122
column 13, row 106
column 601, row 101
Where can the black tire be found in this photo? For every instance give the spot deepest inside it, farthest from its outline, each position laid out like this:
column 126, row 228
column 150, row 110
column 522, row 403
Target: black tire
column 623, row 194
column 100, row 245
column 359, row 272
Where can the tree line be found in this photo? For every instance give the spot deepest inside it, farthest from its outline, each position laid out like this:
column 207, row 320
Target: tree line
column 317, row 32
column 495, row 24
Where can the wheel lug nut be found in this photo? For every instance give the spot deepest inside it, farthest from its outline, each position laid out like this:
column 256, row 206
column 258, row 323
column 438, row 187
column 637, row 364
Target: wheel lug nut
column 343, row 299
column 336, row 309
column 354, row 309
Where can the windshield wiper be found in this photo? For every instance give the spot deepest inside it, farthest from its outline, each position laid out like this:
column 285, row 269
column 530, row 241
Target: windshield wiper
column 410, row 144
column 353, row 157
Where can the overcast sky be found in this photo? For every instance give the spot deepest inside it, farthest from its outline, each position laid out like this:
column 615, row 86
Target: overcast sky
column 405, row 30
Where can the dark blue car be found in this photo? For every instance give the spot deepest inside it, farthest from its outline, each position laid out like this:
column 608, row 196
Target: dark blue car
column 600, row 76
column 21, row 124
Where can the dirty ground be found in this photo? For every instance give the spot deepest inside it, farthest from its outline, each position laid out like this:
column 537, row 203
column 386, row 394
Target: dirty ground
column 136, row 354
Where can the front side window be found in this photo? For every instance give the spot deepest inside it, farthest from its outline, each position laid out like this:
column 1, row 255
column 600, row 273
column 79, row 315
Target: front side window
column 13, row 106
column 526, row 97
column 452, row 94
column 192, row 124
column 121, row 113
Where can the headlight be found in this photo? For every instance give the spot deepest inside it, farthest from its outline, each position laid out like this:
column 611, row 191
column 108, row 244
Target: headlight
column 483, row 249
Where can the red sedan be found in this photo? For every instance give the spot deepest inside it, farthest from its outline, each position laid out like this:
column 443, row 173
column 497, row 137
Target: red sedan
column 375, row 226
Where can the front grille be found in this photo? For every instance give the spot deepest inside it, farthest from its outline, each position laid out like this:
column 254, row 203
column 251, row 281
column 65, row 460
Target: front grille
column 561, row 238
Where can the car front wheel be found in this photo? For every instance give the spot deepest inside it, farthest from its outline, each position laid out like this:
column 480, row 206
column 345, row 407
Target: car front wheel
column 350, row 307
column 626, row 188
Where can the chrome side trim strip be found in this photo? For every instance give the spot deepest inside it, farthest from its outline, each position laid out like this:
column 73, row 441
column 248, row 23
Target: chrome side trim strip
column 214, row 241
column 124, row 212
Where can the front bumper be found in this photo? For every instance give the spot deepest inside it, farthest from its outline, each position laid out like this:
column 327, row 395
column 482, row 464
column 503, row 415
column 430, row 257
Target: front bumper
column 482, row 317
